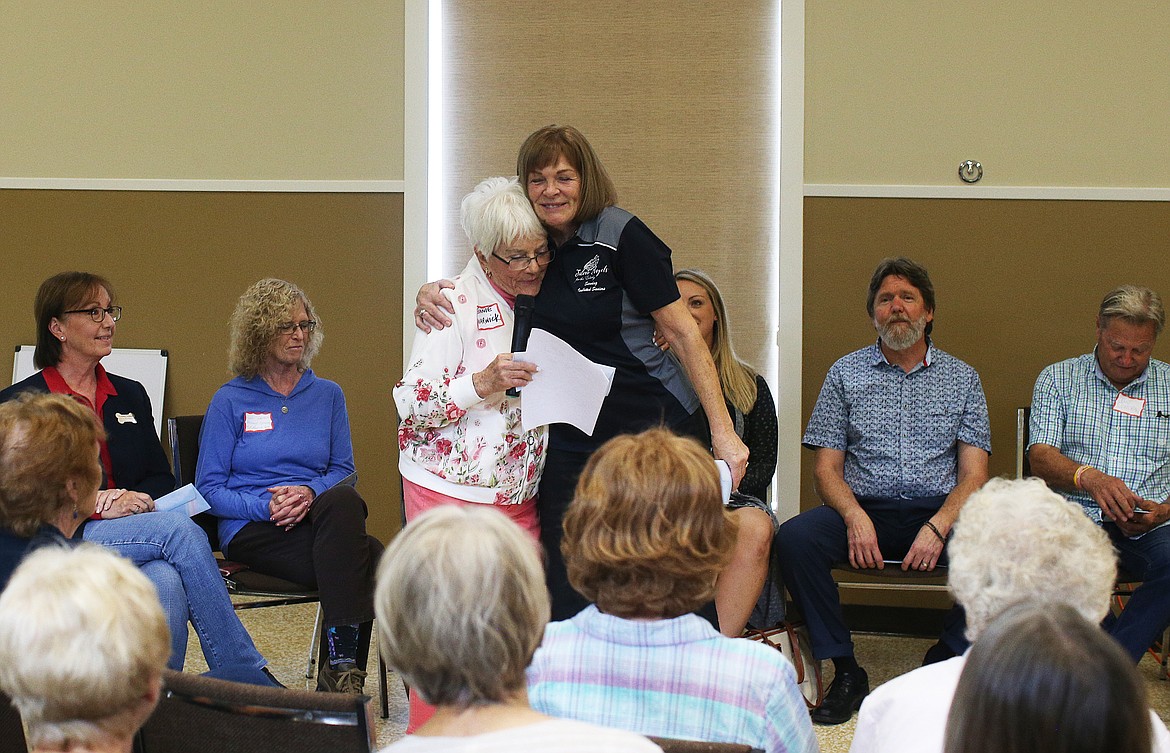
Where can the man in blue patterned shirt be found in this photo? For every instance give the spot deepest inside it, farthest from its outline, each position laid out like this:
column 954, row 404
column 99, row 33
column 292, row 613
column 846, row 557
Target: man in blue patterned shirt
column 1100, row 435
column 902, row 436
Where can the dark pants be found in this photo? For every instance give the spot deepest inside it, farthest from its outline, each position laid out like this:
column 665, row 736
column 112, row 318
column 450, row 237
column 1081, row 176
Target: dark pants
column 557, row 483
column 814, row 541
column 329, row 551
column 1147, row 613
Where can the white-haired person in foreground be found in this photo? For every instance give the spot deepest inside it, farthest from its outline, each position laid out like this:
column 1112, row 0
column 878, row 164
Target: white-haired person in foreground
column 1043, row 679
column 1014, row 541
column 461, row 606
column 83, row 644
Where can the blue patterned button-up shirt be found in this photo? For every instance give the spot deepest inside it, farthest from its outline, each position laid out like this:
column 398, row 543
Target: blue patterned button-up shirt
column 1072, row 410
column 900, row 432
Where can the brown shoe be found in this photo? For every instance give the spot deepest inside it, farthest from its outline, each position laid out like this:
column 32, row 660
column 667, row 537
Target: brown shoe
column 344, row 678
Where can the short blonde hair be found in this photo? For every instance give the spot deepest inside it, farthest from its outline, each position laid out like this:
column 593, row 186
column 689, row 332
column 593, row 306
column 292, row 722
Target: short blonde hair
column 46, row 441
column 83, row 639
column 255, row 323
column 646, row 534
column 461, row 605
column 1134, row 304
column 1017, row 540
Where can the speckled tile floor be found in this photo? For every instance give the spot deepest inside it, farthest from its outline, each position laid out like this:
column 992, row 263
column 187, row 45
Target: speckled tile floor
column 282, row 635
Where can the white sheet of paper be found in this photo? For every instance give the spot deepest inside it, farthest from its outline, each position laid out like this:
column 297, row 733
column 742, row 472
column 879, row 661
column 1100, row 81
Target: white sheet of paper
column 568, row 389
column 185, row 499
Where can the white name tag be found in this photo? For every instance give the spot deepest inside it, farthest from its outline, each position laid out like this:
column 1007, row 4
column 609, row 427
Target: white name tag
column 489, row 317
column 257, row 422
column 1130, row 406
column 125, row 418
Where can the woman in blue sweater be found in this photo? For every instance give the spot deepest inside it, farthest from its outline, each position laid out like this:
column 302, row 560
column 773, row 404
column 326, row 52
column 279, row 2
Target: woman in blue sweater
column 273, row 455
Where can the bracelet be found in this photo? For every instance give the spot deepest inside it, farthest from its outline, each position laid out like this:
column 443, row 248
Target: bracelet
column 937, row 532
column 1077, row 476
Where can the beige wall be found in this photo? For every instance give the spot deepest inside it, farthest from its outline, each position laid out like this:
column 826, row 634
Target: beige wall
column 1041, row 93
column 216, row 89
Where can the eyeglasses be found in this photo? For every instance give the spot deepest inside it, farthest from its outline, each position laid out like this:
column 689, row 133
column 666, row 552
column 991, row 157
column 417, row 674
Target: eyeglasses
column 520, row 263
column 98, row 314
column 288, row 329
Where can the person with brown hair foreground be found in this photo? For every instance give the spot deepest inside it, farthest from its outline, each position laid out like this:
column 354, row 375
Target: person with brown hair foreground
column 645, row 538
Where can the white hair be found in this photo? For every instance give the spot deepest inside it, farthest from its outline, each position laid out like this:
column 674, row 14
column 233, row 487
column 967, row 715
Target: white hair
column 461, row 605
column 83, row 643
column 1020, row 541
column 497, row 212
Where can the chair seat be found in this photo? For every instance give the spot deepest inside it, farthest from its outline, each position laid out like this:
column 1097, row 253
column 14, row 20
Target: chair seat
column 241, row 578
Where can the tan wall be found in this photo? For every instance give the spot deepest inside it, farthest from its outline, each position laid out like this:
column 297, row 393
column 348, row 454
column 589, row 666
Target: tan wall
column 297, row 89
column 179, row 261
column 1042, row 93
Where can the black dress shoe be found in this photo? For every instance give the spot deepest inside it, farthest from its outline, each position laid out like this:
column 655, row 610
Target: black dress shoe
column 845, row 695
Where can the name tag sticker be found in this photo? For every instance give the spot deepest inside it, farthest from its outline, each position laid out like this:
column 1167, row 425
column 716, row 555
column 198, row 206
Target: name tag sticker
column 125, row 418
column 489, row 316
column 1130, row 406
column 257, row 422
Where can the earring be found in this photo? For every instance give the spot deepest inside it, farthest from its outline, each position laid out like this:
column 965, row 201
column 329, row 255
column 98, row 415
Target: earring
column 62, row 338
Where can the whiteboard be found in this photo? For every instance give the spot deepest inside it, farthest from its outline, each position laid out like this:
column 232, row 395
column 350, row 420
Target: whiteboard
column 145, row 365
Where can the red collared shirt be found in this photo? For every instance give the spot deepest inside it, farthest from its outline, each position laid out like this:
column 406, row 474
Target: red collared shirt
column 57, row 385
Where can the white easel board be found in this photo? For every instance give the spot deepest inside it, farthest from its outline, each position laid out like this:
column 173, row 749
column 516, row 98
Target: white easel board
column 145, row 365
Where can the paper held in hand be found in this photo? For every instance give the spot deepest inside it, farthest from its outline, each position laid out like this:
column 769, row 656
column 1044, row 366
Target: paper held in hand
column 185, row 499
column 568, row 389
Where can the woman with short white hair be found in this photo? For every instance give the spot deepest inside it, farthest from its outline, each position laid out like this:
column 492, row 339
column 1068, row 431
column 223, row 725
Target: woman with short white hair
column 461, row 608
column 76, row 692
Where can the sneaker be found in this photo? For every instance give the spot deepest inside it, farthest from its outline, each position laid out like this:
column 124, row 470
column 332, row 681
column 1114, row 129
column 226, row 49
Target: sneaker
column 344, row 678
column 845, row 695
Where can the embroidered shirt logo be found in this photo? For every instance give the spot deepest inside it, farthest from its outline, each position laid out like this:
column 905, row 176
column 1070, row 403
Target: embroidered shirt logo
column 586, row 276
column 489, row 316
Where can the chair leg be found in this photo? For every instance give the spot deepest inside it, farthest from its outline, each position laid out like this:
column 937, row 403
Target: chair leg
column 1164, row 670
column 314, row 641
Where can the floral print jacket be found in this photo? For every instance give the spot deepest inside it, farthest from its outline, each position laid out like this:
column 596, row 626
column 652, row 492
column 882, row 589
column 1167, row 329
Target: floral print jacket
column 451, row 440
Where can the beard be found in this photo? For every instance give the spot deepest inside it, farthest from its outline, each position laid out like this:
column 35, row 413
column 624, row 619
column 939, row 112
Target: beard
column 898, row 337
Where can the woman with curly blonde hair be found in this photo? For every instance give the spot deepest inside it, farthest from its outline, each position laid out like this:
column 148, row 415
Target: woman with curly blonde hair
column 645, row 538
column 274, row 458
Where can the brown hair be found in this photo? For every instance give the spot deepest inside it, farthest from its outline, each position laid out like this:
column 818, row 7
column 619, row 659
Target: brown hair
column 46, row 441
column 58, row 294
column 646, row 534
column 545, row 145
column 911, row 271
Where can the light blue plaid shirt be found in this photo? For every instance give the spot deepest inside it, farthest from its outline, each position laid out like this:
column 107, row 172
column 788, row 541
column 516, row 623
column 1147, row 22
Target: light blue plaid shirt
column 899, row 431
column 1072, row 410
column 669, row 678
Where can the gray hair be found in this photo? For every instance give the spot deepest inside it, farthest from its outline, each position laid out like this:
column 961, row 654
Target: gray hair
column 1019, row 540
column 83, row 643
column 461, row 605
column 497, row 212
column 1134, row 304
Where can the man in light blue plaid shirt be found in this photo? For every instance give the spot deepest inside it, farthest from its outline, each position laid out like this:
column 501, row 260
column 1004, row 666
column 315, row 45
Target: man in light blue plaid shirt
column 1100, row 434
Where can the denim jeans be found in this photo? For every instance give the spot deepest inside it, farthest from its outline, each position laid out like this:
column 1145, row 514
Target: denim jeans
column 1147, row 613
column 173, row 552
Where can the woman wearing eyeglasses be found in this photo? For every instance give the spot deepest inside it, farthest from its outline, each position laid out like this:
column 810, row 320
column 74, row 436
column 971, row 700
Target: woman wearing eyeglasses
column 274, row 454
column 76, row 320
column 460, row 439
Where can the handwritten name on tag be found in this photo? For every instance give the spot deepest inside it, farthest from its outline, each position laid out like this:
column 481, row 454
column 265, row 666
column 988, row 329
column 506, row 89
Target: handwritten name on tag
column 257, row 422
column 1130, row 406
column 489, row 317
column 125, row 418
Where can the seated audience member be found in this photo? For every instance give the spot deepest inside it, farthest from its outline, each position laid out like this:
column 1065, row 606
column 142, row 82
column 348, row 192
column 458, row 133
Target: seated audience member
column 274, row 452
column 83, row 644
column 645, row 538
column 461, row 604
column 1014, row 541
column 753, row 414
column 76, row 320
column 902, row 436
column 1043, row 679
column 1098, row 435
